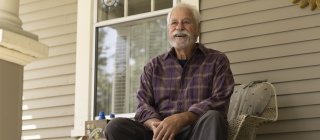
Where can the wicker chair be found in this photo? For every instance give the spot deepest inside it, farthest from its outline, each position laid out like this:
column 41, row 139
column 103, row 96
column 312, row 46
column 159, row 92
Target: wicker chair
column 243, row 126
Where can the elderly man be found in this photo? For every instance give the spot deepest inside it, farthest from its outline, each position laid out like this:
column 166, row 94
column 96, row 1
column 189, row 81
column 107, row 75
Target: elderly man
column 184, row 93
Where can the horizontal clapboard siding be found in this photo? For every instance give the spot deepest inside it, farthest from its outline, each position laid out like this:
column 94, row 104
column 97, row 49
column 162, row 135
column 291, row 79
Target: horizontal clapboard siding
column 62, row 49
column 47, row 122
column 49, row 71
column 277, row 41
column 58, row 132
column 48, row 93
column 52, row 61
column 48, row 102
column 51, row 22
column 48, row 112
column 294, row 100
column 53, row 12
column 49, row 82
column 311, row 135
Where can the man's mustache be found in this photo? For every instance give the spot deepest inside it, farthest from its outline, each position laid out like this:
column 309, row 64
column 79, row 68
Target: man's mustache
column 181, row 34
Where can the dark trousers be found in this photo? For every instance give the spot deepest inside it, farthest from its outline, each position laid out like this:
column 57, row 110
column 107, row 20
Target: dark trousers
column 211, row 126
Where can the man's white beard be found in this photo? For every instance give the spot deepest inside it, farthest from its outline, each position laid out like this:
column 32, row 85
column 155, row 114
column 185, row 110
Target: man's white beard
column 182, row 42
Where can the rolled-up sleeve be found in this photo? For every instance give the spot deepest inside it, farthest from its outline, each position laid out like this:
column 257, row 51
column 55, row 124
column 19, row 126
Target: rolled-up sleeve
column 222, row 88
column 146, row 103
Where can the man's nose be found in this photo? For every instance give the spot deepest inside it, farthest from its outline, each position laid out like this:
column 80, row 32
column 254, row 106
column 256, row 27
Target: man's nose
column 180, row 26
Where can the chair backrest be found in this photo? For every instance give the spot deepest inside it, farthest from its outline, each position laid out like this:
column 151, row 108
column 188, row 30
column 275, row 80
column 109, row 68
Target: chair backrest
column 257, row 98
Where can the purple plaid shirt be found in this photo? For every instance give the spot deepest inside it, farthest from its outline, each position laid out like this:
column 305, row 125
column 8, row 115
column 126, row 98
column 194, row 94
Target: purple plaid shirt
column 204, row 83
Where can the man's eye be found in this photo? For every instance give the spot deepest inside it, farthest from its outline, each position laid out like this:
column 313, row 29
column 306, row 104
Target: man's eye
column 174, row 23
column 186, row 22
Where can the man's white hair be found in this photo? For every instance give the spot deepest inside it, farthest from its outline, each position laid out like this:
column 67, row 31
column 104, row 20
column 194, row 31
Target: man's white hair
column 194, row 11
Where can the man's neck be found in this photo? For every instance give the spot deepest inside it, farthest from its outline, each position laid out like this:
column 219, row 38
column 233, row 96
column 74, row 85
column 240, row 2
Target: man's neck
column 184, row 54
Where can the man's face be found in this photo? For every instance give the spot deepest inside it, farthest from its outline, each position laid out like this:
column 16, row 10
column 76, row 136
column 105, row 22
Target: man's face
column 182, row 29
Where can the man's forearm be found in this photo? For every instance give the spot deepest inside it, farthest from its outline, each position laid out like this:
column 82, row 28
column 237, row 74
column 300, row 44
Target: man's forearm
column 189, row 118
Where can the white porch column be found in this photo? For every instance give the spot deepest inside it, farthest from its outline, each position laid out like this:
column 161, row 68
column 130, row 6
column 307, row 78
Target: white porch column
column 9, row 11
column 17, row 48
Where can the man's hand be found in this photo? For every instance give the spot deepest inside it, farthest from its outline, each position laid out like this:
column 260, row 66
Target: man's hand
column 170, row 126
column 152, row 124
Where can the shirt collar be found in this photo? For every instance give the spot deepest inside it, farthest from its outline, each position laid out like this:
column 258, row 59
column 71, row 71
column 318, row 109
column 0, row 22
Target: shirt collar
column 199, row 48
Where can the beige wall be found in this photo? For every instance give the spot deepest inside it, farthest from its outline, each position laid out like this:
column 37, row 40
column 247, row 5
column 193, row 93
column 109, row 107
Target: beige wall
column 274, row 40
column 48, row 94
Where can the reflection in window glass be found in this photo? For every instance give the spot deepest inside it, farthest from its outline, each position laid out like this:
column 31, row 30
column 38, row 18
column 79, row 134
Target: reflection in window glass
column 110, row 9
column 139, row 6
column 163, row 4
column 122, row 51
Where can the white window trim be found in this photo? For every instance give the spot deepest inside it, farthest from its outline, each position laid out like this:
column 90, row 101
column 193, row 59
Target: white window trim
column 133, row 17
column 84, row 82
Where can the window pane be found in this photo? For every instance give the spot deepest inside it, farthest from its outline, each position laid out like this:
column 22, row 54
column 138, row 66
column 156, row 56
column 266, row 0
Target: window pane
column 139, row 6
column 122, row 51
column 110, row 9
column 163, row 4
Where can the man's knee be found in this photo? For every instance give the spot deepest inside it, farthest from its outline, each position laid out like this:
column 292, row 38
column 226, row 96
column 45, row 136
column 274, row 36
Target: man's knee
column 210, row 126
column 125, row 129
column 215, row 118
column 115, row 125
column 212, row 114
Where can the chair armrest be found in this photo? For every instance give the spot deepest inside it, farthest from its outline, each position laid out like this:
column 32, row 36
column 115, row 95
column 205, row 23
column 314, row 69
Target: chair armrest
column 245, row 123
column 256, row 120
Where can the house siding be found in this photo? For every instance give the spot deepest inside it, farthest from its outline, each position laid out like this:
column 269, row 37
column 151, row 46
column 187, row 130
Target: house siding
column 48, row 93
column 277, row 41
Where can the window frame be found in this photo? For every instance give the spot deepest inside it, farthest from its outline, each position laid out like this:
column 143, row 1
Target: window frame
column 85, row 49
column 115, row 21
column 128, row 98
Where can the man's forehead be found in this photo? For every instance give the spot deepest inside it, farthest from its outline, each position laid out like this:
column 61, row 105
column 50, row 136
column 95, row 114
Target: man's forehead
column 180, row 18
column 181, row 13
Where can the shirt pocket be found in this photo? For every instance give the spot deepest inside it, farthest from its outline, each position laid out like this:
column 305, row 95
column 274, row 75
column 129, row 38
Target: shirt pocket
column 199, row 88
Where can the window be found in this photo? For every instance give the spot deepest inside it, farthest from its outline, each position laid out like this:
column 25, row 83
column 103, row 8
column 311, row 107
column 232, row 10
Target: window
column 122, row 50
column 112, row 9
